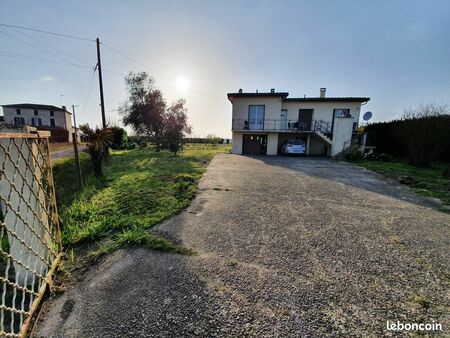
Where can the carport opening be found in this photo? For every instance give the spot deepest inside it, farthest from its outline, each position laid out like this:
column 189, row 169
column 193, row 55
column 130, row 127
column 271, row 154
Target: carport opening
column 283, row 138
column 254, row 144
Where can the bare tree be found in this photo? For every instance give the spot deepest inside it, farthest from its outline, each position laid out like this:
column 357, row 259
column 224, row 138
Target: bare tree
column 422, row 132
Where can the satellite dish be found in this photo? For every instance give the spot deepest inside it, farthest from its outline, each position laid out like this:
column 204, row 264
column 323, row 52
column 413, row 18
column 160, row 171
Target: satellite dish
column 367, row 116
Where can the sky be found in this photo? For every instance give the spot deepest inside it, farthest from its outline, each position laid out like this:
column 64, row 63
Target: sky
column 395, row 52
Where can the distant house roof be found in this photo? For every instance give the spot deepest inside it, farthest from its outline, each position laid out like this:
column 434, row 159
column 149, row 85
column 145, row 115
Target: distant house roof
column 328, row 99
column 273, row 94
column 36, row 106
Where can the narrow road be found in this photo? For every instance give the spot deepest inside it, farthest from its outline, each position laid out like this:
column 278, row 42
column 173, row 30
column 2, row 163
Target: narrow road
column 287, row 247
column 56, row 155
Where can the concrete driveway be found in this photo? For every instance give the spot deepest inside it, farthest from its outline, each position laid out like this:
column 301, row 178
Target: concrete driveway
column 287, row 247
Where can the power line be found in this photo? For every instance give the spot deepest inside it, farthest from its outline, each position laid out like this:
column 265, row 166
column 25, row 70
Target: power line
column 89, row 91
column 49, row 45
column 131, row 59
column 92, row 40
column 114, row 72
column 30, row 44
column 35, row 58
column 47, row 32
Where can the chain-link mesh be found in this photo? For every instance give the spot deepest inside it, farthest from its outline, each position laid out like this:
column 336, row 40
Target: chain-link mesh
column 29, row 228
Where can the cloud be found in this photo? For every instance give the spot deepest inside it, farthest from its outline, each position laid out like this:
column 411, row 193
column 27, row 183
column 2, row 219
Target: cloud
column 48, row 78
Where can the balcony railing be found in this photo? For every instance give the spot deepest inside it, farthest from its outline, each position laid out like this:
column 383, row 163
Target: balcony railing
column 281, row 125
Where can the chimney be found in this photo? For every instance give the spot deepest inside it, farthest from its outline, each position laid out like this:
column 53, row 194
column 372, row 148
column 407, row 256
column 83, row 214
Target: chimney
column 322, row 92
column 240, row 90
column 64, row 107
column 272, row 90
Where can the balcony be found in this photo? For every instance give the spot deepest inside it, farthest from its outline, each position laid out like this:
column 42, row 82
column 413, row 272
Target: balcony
column 281, row 126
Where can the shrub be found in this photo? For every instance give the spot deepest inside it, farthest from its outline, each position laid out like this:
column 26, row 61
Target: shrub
column 99, row 142
column 119, row 138
column 353, row 153
column 421, row 136
column 213, row 139
column 381, row 157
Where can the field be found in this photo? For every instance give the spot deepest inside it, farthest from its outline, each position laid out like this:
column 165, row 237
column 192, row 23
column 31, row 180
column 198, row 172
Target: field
column 140, row 188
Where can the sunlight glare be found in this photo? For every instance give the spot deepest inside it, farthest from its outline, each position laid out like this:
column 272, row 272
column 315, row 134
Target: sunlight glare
column 183, row 84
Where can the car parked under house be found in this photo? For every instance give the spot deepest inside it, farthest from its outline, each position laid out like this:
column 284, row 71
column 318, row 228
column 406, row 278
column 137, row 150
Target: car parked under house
column 262, row 122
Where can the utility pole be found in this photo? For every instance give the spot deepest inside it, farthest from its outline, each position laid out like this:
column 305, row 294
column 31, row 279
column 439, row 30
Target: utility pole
column 75, row 148
column 100, row 82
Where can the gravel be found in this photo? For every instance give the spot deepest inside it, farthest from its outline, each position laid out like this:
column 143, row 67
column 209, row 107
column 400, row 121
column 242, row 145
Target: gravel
column 287, row 247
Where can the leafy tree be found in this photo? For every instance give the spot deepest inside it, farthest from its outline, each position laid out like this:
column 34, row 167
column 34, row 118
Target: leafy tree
column 145, row 108
column 176, row 126
column 99, row 142
column 422, row 132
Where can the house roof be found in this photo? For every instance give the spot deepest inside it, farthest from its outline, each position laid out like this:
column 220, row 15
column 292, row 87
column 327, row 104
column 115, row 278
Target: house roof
column 284, row 96
column 274, row 94
column 328, row 99
column 35, row 106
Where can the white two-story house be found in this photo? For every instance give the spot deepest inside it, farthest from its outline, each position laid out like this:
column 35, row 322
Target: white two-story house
column 47, row 117
column 263, row 121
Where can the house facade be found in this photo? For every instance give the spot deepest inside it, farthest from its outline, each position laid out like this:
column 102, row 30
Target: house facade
column 262, row 122
column 45, row 117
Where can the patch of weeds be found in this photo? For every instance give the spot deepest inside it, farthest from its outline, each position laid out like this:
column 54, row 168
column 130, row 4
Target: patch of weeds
column 139, row 237
column 396, row 239
column 232, row 262
column 184, row 177
column 422, row 302
column 221, row 189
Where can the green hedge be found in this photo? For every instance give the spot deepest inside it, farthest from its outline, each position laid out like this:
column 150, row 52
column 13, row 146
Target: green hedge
column 390, row 137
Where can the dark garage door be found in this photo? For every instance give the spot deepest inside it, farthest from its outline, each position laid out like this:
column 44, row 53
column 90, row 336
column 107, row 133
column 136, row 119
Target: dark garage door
column 254, row 144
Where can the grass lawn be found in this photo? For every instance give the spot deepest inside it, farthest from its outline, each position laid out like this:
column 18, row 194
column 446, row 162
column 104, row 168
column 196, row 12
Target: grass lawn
column 140, row 188
column 425, row 181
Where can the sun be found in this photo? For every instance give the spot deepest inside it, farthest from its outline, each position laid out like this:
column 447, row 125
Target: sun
column 183, row 84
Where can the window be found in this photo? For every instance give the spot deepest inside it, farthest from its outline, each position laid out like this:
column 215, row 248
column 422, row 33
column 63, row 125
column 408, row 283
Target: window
column 52, row 122
column 256, row 117
column 341, row 113
column 35, row 112
column 36, row 121
column 52, row 113
column 18, row 111
column 20, row 121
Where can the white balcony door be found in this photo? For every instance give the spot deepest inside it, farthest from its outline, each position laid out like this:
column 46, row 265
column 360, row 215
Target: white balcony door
column 283, row 119
column 256, row 117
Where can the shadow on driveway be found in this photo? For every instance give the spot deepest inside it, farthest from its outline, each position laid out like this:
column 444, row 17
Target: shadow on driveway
column 351, row 175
